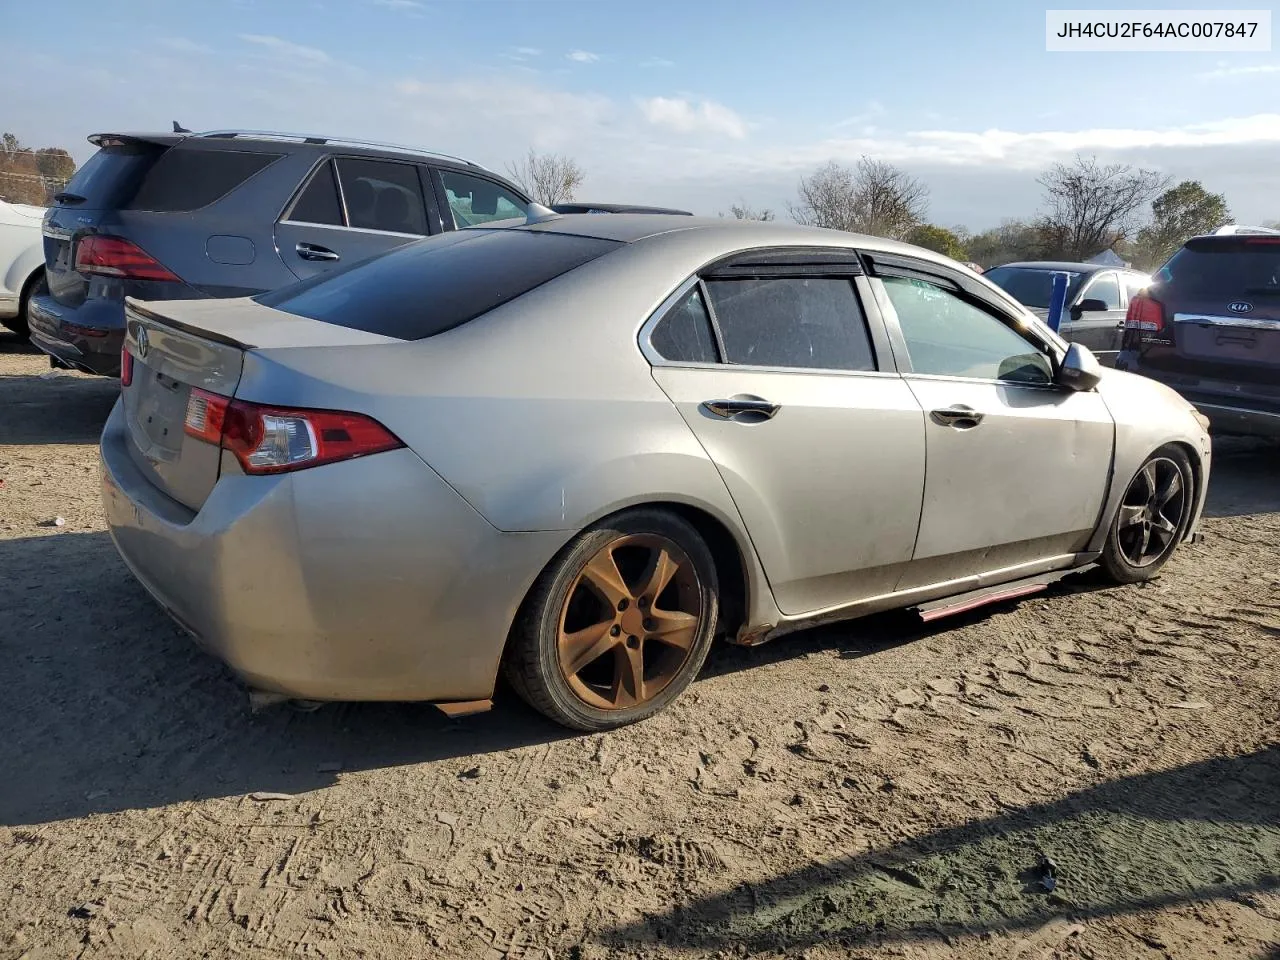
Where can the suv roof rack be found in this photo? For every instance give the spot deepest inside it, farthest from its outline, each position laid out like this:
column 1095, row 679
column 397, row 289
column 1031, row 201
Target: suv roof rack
column 1236, row 229
column 319, row 139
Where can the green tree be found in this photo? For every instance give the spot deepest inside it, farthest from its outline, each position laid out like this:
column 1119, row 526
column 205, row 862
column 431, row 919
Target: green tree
column 1178, row 213
column 938, row 239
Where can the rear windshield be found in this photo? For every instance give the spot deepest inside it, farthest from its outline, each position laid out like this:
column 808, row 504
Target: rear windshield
column 188, row 178
column 1224, row 270
column 111, row 176
column 1032, row 286
column 433, row 285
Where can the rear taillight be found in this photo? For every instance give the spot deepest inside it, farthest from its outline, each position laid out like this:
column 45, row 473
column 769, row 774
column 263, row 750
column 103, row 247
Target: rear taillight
column 276, row 440
column 1144, row 314
column 117, row 257
column 126, row 367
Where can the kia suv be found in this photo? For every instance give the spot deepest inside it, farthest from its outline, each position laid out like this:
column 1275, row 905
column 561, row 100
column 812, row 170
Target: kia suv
column 176, row 216
column 1209, row 326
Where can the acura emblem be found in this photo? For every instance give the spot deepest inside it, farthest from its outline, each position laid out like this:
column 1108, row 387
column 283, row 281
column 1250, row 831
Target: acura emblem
column 1240, row 306
column 144, row 343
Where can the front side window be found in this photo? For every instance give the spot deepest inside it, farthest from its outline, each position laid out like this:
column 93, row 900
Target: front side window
column 684, row 334
column 1106, row 289
column 474, row 201
column 383, row 195
column 948, row 336
column 1134, row 284
column 810, row 322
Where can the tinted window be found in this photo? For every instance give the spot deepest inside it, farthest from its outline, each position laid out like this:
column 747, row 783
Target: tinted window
column 474, row 201
column 1032, row 286
column 382, row 195
column 427, row 287
column 948, row 336
column 1106, row 289
column 1224, row 270
column 111, row 175
column 684, row 334
column 812, row 322
column 319, row 201
column 187, row 178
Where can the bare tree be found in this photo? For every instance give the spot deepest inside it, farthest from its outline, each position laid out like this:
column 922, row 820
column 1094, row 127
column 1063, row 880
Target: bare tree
column 872, row 197
column 740, row 211
column 547, row 177
column 1092, row 207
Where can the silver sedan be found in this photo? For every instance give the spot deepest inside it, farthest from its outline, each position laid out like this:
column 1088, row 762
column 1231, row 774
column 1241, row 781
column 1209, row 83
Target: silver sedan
column 581, row 449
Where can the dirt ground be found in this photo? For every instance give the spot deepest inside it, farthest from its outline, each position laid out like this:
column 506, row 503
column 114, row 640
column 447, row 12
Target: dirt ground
column 875, row 789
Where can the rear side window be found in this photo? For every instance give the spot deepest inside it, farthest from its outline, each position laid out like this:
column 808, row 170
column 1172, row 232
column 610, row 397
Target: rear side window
column 1224, row 270
column 112, row 175
column 319, row 202
column 188, row 178
column 425, row 288
column 382, row 195
column 811, row 322
column 684, row 334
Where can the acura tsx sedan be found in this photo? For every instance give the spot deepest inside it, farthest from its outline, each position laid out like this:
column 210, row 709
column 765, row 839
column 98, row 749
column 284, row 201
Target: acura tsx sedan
column 578, row 450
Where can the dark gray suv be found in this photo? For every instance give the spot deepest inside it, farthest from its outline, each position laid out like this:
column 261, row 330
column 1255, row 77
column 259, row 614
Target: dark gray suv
column 233, row 213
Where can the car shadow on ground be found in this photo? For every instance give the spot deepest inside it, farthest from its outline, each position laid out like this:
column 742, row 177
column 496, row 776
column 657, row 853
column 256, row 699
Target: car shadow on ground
column 55, row 407
column 1243, row 477
column 1202, row 831
column 12, row 343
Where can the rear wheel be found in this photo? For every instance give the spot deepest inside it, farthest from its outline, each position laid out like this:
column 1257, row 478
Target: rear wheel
column 35, row 284
column 619, row 624
column 1152, row 518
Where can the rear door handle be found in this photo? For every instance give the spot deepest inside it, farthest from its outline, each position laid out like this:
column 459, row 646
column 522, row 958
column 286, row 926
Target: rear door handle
column 311, row 251
column 959, row 416
column 734, row 406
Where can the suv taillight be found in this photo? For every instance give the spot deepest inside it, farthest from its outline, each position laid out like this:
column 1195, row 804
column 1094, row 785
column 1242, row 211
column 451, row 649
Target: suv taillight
column 1144, row 314
column 278, row 440
column 118, row 257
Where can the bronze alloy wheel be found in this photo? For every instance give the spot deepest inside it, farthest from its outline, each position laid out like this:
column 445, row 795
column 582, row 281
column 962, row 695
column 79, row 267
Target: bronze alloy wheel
column 629, row 622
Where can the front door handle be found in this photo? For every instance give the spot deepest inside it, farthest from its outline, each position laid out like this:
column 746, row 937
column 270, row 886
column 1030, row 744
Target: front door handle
column 735, row 406
column 311, row 251
column 959, row 416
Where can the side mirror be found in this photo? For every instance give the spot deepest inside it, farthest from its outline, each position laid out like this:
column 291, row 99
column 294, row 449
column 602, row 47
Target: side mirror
column 1080, row 369
column 1089, row 305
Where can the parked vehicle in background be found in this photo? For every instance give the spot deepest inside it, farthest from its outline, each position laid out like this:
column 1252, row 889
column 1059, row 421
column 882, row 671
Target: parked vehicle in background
column 21, row 262
column 175, row 216
column 1097, row 297
column 1209, row 326
column 582, row 448
column 614, row 208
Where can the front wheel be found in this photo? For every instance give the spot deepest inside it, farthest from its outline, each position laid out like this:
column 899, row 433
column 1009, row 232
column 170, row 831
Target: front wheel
column 1152, row 518
column 619, row 624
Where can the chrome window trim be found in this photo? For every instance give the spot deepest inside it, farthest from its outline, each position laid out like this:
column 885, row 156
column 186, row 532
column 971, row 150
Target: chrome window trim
column 378, row 233
column 657, row 360
column 1248, row 323
column 952, row 378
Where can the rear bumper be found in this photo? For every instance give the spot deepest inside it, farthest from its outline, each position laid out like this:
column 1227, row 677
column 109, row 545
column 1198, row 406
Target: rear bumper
column 363, row 580
column 92, row 348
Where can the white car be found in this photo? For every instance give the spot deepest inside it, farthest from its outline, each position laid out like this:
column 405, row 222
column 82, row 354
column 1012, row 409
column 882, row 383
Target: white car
column 21, row 261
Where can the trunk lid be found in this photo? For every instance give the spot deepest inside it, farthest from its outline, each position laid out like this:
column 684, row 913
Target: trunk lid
column 1222, row 296
column 183, row 345
column 88, row 203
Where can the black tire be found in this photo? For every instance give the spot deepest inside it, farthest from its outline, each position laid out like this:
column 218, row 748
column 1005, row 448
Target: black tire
column 19, row 325
column 1121, row 560
column 532, row 664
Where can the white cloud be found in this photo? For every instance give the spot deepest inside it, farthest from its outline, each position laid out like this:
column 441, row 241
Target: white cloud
column 873, row 109
column 685, row 116
column 582, row 56
column 287, row 49
column 183, row 45
column 529, row 51
column 1223, row 71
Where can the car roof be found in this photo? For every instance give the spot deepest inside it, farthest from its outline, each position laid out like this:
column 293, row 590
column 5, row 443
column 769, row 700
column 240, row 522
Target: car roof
column 631, row 227
column 1065, row 265
column 576, row 207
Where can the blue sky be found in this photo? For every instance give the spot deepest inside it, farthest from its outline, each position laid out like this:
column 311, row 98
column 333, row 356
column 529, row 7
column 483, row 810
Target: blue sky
column 698, row 104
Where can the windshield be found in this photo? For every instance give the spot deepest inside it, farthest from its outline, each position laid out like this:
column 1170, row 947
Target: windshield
column 1032, row 286
column 1223, row 271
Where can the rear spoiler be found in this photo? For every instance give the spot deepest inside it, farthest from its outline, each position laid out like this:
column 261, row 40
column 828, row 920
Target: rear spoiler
column 125, row 139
